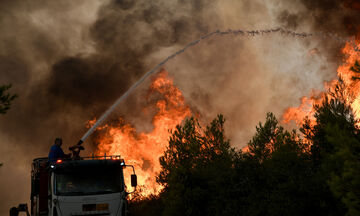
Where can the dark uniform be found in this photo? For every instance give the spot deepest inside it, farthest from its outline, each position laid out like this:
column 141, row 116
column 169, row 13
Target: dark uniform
column 56, row 153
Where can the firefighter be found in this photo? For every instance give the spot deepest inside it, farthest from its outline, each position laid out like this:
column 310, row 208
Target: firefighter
column 56, row 151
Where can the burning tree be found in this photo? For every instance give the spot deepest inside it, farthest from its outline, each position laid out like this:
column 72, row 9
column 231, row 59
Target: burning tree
column 335, row 148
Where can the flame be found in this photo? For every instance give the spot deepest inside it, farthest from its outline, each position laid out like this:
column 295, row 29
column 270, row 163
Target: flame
column 306, row 108
column 144, row 149
column 352, row 88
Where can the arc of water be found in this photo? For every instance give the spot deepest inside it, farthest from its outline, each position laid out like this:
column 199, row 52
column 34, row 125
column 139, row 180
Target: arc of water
column 251, row 33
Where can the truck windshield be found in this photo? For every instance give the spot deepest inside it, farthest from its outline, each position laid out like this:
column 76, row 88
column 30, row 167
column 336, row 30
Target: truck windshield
column 88, row 181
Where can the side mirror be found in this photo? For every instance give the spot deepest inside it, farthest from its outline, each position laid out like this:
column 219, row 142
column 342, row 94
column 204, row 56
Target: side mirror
column 133, row 180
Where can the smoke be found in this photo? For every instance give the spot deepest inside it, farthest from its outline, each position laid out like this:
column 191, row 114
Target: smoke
column 69, row 60
column 34, row 36
column 340, row 17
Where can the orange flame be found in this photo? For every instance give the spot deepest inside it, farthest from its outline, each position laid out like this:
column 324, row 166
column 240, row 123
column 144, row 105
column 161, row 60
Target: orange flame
column 352, row 89
column 306, row 108
column 144, row 149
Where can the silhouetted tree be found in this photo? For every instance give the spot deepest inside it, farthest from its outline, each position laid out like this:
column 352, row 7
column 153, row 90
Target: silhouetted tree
column 333, row 110
column 279, row 166
column 196, row 168
column 335, row 145
column 344, row 167
column 5, row 98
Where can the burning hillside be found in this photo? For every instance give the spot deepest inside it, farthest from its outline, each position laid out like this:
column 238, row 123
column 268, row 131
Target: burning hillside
column 143, row 149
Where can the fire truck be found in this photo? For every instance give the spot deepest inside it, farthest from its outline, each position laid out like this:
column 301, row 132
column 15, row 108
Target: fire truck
column 77, row 186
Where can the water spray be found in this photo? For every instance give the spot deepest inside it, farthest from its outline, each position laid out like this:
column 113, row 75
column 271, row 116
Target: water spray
column 252, row 33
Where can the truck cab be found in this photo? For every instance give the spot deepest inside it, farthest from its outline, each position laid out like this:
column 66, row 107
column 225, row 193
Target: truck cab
column 85, row 186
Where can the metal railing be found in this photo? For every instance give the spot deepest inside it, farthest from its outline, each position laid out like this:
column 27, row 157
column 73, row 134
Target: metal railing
column 39, row 163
